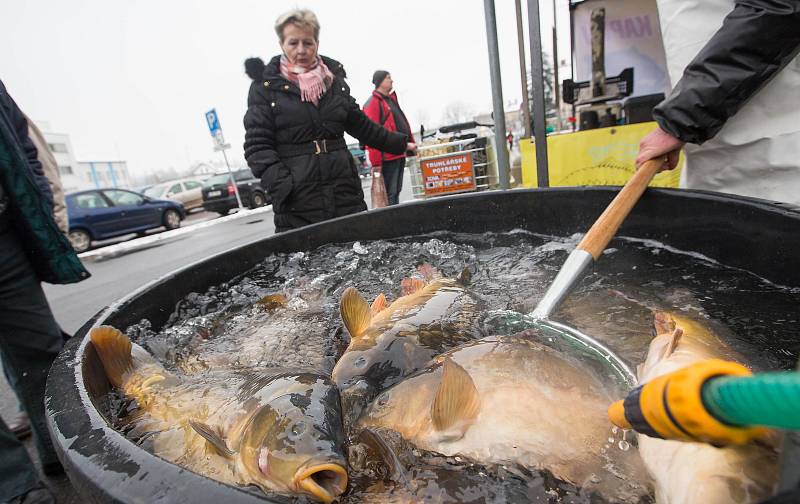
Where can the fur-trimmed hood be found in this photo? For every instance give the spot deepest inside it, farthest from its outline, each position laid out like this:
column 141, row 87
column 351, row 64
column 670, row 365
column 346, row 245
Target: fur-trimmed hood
column 254, row 68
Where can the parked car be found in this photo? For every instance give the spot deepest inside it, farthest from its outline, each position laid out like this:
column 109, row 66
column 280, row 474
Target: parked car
column 99, row 214
column 219, row 195
column 188, row 192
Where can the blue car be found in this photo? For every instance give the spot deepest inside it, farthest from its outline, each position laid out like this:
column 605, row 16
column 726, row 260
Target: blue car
column 98, row 214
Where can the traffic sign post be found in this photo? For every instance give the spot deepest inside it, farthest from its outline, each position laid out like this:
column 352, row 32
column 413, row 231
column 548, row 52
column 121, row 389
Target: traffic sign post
column 212, row 119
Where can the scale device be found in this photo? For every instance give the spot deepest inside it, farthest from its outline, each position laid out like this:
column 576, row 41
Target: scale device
column 591, row 98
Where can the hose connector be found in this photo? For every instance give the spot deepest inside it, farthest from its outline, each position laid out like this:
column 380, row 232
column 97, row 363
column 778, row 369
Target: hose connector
column 672, row 407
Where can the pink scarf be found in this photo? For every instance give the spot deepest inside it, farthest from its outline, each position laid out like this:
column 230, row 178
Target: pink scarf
column 313, row 80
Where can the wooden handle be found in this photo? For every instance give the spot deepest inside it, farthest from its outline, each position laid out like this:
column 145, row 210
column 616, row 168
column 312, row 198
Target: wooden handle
column 606, row 226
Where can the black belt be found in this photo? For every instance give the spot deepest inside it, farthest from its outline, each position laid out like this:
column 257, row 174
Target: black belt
column 314, row 147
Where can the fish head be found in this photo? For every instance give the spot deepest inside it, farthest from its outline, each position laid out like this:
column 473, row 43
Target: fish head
column 361, row 374
column 402, row 406
column 295, row 443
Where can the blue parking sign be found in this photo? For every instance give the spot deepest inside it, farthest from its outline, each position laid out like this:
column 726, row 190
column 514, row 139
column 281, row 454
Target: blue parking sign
column 213, row 122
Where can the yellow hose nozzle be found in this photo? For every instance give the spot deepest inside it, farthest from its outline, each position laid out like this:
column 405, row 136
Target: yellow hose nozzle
column 671, row 407
column 616, row 413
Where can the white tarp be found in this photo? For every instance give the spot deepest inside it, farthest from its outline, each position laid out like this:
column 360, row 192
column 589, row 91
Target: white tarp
column 633, row 39
column 757, row 153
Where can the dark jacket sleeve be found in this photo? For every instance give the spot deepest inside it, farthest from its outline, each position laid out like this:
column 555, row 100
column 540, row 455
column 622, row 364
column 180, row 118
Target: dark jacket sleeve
column 756, row 40
column 259, row 138
column 371, row 134
column 19, row 125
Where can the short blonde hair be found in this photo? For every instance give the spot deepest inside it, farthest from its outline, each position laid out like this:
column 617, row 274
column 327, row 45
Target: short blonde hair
column 300, row 17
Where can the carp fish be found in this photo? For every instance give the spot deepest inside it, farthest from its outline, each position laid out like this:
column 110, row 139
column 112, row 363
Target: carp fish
column 391, row 341
column 279, row 430
column 512, row 400
column 688, row 473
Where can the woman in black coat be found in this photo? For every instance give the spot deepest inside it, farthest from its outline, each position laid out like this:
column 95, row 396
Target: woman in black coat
column 297, row 114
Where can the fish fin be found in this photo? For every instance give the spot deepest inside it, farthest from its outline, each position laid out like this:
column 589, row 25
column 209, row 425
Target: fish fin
column 465, row 277
column 272, row 301
column 114, row 349
column 209, row 434
column 428, row 271
column 412, row 285
column 355, row 312
column 663, row 322
column 456, row 403
column 379, row 304
column 373, row 440
column 675, row 338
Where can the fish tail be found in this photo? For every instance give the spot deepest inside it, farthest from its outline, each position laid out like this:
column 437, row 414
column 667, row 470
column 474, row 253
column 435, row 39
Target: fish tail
column 114, row 349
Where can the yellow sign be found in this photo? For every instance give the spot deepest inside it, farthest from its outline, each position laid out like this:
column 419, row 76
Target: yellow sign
column 603, row 156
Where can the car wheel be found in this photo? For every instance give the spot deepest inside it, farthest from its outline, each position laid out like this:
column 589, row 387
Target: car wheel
column 172, row 219
column 257, row 200
column 80, row 240
column 223, row 213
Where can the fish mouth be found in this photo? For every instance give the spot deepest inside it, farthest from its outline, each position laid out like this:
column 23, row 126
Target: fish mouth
column 324, row 482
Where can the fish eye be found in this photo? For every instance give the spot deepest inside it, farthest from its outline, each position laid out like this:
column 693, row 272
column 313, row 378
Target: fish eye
column 298, row 429
column 383, row 399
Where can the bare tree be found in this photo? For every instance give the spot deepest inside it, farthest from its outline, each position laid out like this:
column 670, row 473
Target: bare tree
column 457, row 112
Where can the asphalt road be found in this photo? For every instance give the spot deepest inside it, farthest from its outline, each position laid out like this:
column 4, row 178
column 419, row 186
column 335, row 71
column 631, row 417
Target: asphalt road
column 114, row 278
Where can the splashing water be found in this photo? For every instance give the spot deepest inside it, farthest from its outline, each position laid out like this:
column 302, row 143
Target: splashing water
column 511, row 272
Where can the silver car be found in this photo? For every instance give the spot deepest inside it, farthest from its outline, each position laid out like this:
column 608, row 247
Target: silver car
column 189, row 192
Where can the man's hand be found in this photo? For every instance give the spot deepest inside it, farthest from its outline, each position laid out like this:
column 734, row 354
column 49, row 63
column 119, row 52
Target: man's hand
column 657, row 144
column 411, row 147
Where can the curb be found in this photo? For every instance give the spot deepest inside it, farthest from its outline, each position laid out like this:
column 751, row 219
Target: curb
column 155, row 240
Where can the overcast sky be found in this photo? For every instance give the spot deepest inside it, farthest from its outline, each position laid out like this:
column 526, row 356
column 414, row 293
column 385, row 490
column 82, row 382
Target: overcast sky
column 132, row 79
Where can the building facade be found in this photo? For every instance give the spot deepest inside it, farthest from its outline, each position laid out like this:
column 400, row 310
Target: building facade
column 79, row 175
column 101, row 174
column 61, row 147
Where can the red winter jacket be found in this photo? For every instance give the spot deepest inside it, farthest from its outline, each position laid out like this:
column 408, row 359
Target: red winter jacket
column 378, row 110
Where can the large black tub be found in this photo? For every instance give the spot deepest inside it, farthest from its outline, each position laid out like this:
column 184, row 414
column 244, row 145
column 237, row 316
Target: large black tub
column 104, row 466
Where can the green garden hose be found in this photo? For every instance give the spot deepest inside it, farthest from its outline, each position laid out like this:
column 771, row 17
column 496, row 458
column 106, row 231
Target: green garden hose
column 767, row 399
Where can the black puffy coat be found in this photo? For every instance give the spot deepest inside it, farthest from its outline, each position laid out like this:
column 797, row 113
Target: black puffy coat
column 756, row 40
column 310, row 187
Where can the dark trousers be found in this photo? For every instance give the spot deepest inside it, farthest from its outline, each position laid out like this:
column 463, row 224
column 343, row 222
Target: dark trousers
column 30, row 340
column 392, row 172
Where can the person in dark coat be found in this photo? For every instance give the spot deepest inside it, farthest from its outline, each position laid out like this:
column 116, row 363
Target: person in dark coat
column 297, row 114
column 32, row 249
column 734, row 104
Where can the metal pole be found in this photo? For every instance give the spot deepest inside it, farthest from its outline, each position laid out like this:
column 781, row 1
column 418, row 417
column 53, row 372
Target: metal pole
column 523, row 72
column 537, row 82
column 557, row 86
column 233, row 180
column 497, row 96
column 572, row 57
